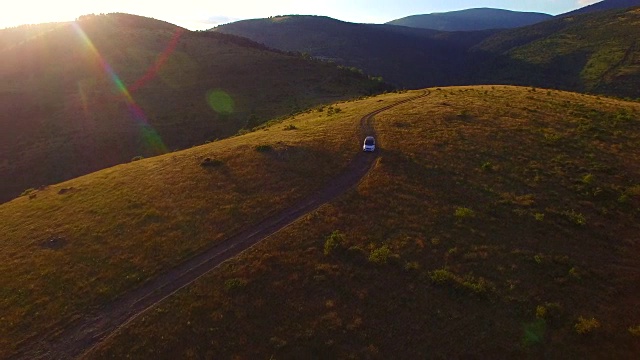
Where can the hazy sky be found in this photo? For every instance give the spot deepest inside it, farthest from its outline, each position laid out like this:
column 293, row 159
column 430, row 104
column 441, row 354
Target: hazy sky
column 205, row 14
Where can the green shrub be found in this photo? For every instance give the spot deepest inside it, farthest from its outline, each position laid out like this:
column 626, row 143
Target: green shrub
column 28, row 192
column 635, row 330
column 588, row 179
column 334, row 242
column 463, row 212
column 235, row 284
column 575, row 217
column 550, row 312
column 380, row 256
column 441, row 276
column 263, row 148
column 208, row 162
column 413, row 265
column 463, row 114
column 538, row 258
column 479, row 286
column 333, row 110
column 290, row 127
column 586, row 326
column 551, row 137
column 575, row 272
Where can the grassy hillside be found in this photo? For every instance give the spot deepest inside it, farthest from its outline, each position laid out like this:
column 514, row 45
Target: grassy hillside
column 602, row 6
column 498, row 221
column 72, row 247
column 405, row 57
column 83, row 96
column 472, row 20
column 486, row 229
column 596, row 52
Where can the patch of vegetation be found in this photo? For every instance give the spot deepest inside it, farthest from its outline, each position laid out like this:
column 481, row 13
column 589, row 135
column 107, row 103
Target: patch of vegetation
column 333, row 110
column 575, row 217
column 475, row 285
column 235, row 284
column 442, row 276
column 381, row 255
column 464, row 212
column 487, row 166
column 209, row 162
column 551, row 313
column 334, row 242
column 586, row 326
column 412, row 266
column 263, row 148
column 28, row 191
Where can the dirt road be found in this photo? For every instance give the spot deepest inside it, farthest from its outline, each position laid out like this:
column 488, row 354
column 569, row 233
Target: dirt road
column 85, row 333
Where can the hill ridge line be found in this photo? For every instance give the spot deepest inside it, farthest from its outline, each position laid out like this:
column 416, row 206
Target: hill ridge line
column 89, row 331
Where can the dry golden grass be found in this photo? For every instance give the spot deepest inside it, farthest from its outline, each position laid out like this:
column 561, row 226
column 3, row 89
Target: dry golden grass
column 486, row 205
column 452, row 285
column 73, row 246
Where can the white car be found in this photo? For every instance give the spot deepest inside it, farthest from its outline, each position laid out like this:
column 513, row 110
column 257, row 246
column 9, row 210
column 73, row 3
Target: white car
column 369, row 144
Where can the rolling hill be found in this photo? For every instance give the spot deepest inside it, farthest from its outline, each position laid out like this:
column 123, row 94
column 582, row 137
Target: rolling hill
column 603, row 6
column 472, row 20
column 497, row 221
column 78, row 97
column 596, row 52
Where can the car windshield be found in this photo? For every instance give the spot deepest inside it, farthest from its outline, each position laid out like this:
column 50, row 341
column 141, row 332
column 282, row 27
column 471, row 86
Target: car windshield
column 369, row 141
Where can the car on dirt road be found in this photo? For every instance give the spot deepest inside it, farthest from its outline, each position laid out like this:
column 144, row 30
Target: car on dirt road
column 369, row 144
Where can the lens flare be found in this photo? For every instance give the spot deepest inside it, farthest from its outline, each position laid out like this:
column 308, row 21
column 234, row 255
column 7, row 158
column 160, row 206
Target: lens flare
column 162, row 59
column 151, row 138
column 220, row 102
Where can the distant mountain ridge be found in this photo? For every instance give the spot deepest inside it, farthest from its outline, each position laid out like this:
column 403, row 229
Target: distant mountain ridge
column 404, row 56
column 593, row 52
column 472, row 20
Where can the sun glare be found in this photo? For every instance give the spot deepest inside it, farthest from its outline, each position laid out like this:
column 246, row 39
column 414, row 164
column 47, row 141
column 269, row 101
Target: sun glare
column 39, row 11
column 149, row 136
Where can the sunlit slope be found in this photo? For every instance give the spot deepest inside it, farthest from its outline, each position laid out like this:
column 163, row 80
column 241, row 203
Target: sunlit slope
column 498, row 222
column 597, row 52
column 76, row 245
column 87, row 95
column 603, row 6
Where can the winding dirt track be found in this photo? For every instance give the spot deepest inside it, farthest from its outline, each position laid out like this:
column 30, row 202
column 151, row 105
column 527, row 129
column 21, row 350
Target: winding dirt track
column 85, row 333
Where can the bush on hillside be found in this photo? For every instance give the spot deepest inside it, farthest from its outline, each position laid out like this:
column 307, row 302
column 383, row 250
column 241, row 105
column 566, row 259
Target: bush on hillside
column 334, row 242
